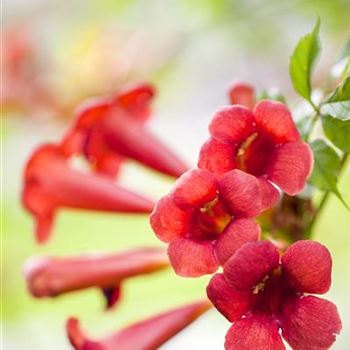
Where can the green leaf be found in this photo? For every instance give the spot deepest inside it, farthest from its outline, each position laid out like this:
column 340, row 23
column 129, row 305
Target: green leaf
column 338, row 110
column 303, row 60
column 337, row 131
column 342, row 92
column 327, row 166
column 338, row 104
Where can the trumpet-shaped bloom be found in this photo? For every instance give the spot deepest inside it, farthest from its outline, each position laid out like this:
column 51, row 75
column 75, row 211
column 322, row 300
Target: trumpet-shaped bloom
column 206, row 218
column 50, row 183
column 261, row 293
column 148, row 334
column 108, row 131
column 51, row 277
column 242, row 94
column 264, row 143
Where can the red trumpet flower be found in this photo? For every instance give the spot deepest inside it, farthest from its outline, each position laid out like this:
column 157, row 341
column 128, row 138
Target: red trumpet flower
column 206, row 218
column 109, row 130
column 242, row 94
column 149, row 334
column 264, row 143
column 51, row 277
column 50, row 183
column 262, row 293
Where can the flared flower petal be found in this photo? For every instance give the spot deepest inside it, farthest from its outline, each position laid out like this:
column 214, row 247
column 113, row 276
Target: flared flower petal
column 250, row 264
column 310, row 323
column 254, row 332
column 270, row 194
column 217, row 157
column 308, row 267
column 144, row 335
column 169, row 221
column 50, row 183
column 50, row 277
column 191, row 258
column 290, row 166
column 195, row 188
column 136, row 101
column 232, row 124
column 231, row 303
column 237, row 233
column 241, row 192
column 242, row 94
column 274, row 120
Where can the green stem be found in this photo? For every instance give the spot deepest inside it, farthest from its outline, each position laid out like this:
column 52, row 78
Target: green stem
column 316, row 109
column 313, row 120
column 324, row 201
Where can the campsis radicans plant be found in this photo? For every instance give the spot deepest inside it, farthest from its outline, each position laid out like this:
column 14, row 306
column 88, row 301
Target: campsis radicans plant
column 245, row 215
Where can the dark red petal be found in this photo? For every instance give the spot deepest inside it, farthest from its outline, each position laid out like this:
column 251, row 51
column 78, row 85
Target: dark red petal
column 133, row 140
column 191, row 258
column 308, row 267
column 270, row 194
column 274, row 120
column 290, row 167
column 310, row 323
column 143, row 335
column 251, row 263
column 195, row 188
column 232, row 124
column 217, row 157
column 237, row 233
column 169, row 221
column 241, row 192
column 231, row 303
column 112, row 295
column 242, row 94
column 255, row 332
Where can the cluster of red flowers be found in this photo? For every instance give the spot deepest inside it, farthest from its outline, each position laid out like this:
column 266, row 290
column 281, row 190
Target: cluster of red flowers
column 253, row 154
column 209, row 219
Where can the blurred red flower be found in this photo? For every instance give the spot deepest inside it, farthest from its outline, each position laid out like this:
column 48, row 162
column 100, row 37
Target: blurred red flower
column 109, row 130
column 23, row 87
column 262, row 293
column 264, row 143
column 144, row 335
column 207, row 217
column 242, row 94
column 50, row 277
column 51, row 183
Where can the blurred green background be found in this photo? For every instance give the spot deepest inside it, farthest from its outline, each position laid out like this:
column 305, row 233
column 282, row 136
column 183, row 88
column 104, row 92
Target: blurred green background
column 191, row 50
